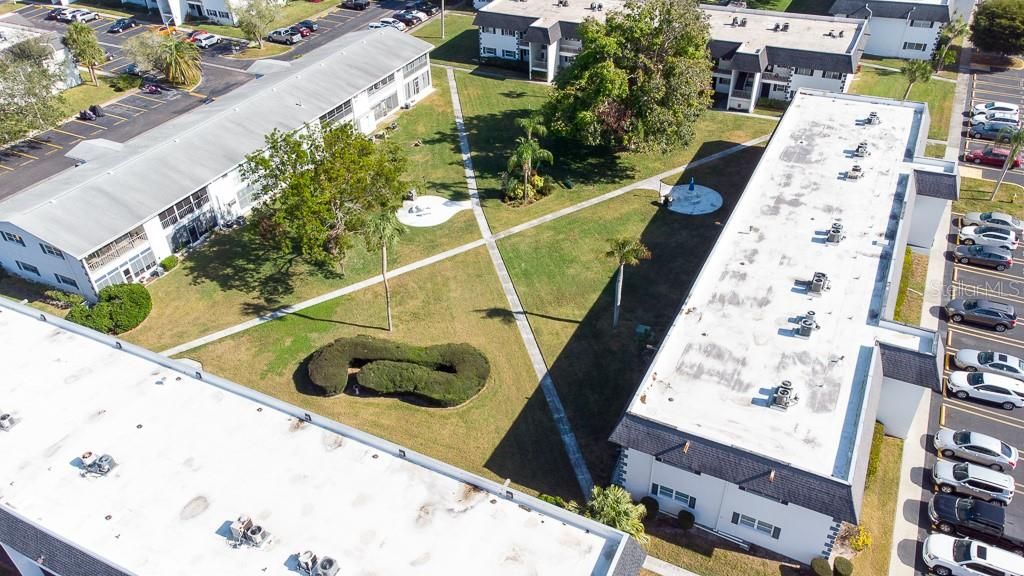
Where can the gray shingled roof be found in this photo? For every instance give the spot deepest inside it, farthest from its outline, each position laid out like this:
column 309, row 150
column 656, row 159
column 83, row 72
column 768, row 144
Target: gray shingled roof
column 631, row 560
column 909, row 366
column 884, row 9
column 50, row 551
column 489, row 19
column 750, row 62
column 82, row 208
column 545, row 35
column 788, row 57
column 749, row 471
column 937, row 185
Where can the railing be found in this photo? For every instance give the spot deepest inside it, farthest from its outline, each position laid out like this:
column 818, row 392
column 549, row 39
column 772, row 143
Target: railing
column 776, row 76
column 748, row 94
column 115, row 249
column 572, row 50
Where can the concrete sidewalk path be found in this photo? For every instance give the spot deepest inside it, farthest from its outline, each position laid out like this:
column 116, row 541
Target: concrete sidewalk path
column 652, row 564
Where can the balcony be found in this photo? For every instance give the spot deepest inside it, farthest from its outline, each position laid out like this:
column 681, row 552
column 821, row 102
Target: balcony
column 116, row 249
column 746, row 94
column 569, row 50
column 783, row 77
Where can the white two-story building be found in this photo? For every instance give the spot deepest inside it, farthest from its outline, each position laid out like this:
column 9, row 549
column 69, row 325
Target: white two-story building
column 899, row 29
column 756, row 414
column 110, row 219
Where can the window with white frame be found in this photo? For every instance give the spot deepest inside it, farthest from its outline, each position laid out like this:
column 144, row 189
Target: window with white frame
column 917, row 46
column 338, row 111
column 663, row 491
column 755, row 524
column 488, row 51
column 803, row 71
column 385, row 106
column 832, row 75
column 488, row 30
column 52, row 251
column 507, row 32
column 509, row 54
column 12, row 237
column 920, row 24
column 26, row 267
column 380, row 84
column 65, row 280
column 414, row 65
column 182, row 209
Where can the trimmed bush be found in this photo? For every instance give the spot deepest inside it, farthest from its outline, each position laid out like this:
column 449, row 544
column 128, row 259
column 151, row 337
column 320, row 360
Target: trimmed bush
column 820, row 567
column 860, row 539
column 651, row 504
column 63, row 300
column 169, row 263
column 685, row 519
column 876, row 450
column 120, row 308
column 559, row 501
column 445, row 375
column 842, row 567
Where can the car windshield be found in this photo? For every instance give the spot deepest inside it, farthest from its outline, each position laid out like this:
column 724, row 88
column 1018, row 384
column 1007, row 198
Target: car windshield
column 962, row 437
column 970, row 304
column 985, row 357
column 976, row 249
column 964, row 507
column 960, row 471
column 1006, row 450
column 975, row 378
column 961, row 550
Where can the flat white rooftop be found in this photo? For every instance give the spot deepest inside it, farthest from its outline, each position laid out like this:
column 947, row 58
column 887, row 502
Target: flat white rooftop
column 734, row 339
column 548, row 11
column 11, row 34
column 805, row 32
column 192, row 456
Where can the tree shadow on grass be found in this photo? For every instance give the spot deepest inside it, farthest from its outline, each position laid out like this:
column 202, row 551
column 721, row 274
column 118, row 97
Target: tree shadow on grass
column 598, row 370
column 508, row 317
column 706, row 544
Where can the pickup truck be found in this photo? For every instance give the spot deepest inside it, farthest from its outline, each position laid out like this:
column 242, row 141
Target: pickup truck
column 976, row 519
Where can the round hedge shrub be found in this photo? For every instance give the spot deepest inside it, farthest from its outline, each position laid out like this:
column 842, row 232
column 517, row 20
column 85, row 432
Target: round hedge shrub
column 820, row 567
column 685, row 519
column 169, row 263
column 842, row 566
column 651, row 504
column 444, row 375
column 120, row 308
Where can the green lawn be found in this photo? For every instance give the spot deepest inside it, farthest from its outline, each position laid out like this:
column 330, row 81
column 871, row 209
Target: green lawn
column 912, row 284
column 253, row 52
column 459, row 47
column 897, row 63
column 292, row 12
column 233, row 277
column 504, row 432
column 86, row 94
column 565, row 283
column 10, row 6
column 937, row 94
column 490, row 107
column 935, row 150
column 819, row 7
column 16, row 288
column 975, row 193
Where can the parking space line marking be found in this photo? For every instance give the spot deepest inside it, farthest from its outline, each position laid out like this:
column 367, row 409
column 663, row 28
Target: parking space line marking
column 79, row 136
column 7, row 168
column 985, row 272
column 988, row 337
column 949, row 338
column 942, row 414
column 968, row 290
column 119, row 103
column 148, row 98
column 108, row 113
column 115, row 60
column 21, row 153
column 47, row 144
column 88, row 124
column 980, row 412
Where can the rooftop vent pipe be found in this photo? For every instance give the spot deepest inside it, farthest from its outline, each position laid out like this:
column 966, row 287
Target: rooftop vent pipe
column 6, row 421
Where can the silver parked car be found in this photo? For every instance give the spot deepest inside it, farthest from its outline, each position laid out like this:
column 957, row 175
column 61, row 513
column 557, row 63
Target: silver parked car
column 999, row 219
column 988, row 361
column 1006, row 392
column 949, row 556
column 987, row 107
column 972, row 480
column 976, row 447
column 988, row 236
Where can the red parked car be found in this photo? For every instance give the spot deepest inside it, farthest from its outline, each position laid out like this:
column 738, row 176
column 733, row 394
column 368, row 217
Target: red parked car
column 301, row 31
column 193, row 35
column 991, row 156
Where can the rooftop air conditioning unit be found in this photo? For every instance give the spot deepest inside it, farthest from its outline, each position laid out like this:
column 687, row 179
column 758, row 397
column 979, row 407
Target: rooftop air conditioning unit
column 855, row 173
column 806, row 325
column 327, row 567
column 862, row 150
column 307, row 562
column 784, row 396
column 785, row 26
column 256, row 535
column 593, row 5
column 735, row 21
column 743, row 22
column 600, row 7
column 240, row 527
column 776, row 27
column 819, row 283
column 835, row 234
column 873, row 119
column 97, row 465
column 6, row 421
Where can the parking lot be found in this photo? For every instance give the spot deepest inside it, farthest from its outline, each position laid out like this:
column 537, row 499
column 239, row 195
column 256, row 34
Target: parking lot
column 996, row 85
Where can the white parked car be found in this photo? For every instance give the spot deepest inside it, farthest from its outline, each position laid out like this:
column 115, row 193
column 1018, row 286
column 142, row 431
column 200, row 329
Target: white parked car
column 997, row 219
column 1007, row 118
column 393, row 23
column 84, row 16
column 1006, row 392
column 950, row 556
column 976, row 447
column 989, row 361
column 972, row 480
column 205, row 40
column 376, row 25
column 988, row 236
column 987, row 107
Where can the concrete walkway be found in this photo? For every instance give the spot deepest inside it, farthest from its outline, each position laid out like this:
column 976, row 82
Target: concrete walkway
column 906, row 532
column 956, row 120
column 652, row 564
column 935, row 289
column 572, row 448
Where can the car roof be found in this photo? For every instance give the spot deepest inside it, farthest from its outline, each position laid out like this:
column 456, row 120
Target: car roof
column 989, row 475
column 1001, row 380
column 985, row 441
column 997, row 557
column 992, row 304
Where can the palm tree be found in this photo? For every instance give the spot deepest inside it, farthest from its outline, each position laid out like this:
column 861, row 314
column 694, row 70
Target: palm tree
column 1014, row 140
column 627, row 252
column 916, row 71
column 526, row 155
column 382, row 231
column 179, row 61
column 532, row 125
column 85, row 48
column 953, row 31
column 614, row 507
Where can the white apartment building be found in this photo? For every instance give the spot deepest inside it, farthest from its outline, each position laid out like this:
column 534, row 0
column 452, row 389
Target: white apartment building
column 757, row 412
column 180, row 11
column 177, row 455
column 126, row 206
column 14, row 29
column 899, row 29
column 757, row 54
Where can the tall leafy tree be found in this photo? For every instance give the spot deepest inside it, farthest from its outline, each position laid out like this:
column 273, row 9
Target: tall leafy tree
column 528, row 153
column 255, row 18
column 85, row 48
column 29, row 91
column 318, row 187
column 998, row 26
column 1014, row 140
column 915, row 71
column 952, row 32
column 626, row 252
column 383, row 231
column 641, row 81
column 614, row 507
column 179, row 61
column 143, row 50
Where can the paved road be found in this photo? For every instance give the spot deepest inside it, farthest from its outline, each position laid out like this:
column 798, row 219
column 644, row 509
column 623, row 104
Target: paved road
column 1002, row 86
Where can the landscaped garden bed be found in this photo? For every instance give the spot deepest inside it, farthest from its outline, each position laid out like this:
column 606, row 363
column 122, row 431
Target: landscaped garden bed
column 443, row 375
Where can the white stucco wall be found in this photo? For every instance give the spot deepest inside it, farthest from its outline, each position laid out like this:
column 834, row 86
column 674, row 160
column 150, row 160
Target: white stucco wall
column 498, row 42
column 816, row 82
column 929, row 213
column 48, row 265
column 889, row 34
column 157, row 239
column 899, row 404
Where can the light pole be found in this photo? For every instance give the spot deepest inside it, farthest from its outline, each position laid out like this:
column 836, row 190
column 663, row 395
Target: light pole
column 442, row 19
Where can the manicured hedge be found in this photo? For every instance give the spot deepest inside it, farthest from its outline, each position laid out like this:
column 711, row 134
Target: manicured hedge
column 876, row 450
column 169, row 263
column 820, row 567
column 446, row 374
column 842, row 567
column 120, row 308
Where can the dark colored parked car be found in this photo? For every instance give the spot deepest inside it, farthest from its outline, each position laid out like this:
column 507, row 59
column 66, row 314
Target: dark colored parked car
column 313, row 26
column 356, row 4
column 996, row 315
column 52, row 14
column 422, row 6
column 976, row 519
column 991, row 256
column 300, row 30
column 407, row 18
column 991, row 157
column 122, row 24
column 990, row 132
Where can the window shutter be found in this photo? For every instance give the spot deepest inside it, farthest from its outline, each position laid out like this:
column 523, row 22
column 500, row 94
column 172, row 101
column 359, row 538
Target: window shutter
column 775, row 532
column 693, row 502
column 654, row 488
column 735, row 517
